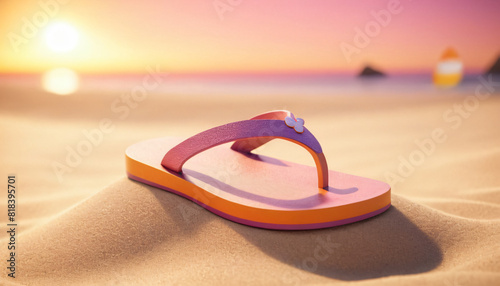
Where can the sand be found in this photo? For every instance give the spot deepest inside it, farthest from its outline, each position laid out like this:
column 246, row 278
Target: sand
column 93, row 226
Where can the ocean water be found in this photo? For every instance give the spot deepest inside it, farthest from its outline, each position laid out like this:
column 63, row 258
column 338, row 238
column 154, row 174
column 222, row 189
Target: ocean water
column 248, row 85
column 310, row 85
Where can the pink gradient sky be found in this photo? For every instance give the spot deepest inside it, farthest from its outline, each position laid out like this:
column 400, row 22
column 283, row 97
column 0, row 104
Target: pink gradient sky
column 256, row 36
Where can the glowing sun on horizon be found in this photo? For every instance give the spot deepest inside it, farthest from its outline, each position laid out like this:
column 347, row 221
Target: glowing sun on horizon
column 61, row 37
column 60, row 81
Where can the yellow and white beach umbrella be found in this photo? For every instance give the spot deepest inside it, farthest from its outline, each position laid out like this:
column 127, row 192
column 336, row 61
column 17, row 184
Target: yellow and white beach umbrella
column 449, row 69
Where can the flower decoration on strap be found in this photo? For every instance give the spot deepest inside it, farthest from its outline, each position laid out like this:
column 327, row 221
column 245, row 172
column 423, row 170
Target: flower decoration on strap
column 297, row 124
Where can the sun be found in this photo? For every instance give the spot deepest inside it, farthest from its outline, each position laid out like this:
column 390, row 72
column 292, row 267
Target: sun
column 61, row 37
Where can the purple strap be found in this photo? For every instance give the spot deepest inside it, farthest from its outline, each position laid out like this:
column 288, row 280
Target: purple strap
column 255, row 130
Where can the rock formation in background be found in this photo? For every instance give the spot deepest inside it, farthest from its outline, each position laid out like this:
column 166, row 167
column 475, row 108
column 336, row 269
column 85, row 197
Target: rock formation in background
column 369, row 71
column 495, row 68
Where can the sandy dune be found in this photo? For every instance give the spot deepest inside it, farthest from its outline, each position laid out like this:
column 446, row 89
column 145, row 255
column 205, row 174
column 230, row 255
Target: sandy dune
column 91, row 225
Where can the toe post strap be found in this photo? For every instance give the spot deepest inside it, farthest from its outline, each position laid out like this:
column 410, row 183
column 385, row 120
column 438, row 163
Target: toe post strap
column 248, row 135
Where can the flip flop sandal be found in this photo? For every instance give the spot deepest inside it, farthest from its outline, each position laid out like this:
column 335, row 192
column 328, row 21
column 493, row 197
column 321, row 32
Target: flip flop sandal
column 252, row 189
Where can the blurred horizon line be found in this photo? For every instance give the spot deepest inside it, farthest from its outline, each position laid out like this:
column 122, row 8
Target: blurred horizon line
column 419, row 72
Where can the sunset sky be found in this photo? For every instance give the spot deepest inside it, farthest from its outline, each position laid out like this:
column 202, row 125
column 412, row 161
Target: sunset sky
column 248, row 36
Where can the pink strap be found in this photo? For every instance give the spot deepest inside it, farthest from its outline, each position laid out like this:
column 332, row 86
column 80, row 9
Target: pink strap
column 248, row 134
column 247, row 145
